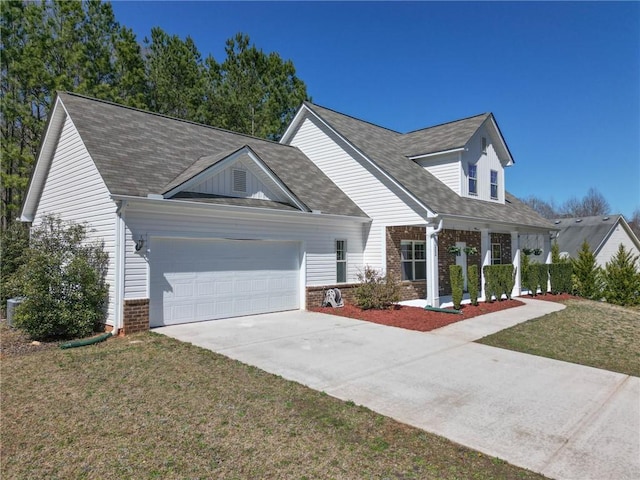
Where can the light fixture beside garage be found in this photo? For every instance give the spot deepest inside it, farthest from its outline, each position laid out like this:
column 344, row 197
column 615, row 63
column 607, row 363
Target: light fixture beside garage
column 139, row 243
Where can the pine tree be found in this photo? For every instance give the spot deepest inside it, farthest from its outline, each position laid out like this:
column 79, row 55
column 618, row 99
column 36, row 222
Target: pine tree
column 587, row 276
column 622, row 278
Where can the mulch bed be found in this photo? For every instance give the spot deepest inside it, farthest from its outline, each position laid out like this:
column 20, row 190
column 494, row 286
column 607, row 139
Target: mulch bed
column 550, row 297
column 14, row 342
column 415, row 318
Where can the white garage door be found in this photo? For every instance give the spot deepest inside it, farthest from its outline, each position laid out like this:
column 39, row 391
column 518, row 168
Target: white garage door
column 196, row 280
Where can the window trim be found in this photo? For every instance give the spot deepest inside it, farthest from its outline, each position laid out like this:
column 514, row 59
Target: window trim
column 413, row 260
column 341, row 260
column 473, row 179
column 491, row 172
column 499, row 258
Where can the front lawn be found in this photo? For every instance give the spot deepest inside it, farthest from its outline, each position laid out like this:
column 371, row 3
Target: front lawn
column 590, row 333
column 146, row 406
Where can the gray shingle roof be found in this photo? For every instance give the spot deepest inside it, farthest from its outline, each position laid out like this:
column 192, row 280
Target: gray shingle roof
column 388, row 150
column 138, row 153
column 574, row 231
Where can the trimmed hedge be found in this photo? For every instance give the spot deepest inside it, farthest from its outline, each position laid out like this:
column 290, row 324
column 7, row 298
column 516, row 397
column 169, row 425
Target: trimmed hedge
column 472, row 283
column 534, row 276
column 560, row 275
column 457, row 285
column 499, row 280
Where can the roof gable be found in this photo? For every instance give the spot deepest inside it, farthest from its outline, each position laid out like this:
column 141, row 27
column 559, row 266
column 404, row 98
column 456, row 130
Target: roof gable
column 595, row 230
column 140, row 153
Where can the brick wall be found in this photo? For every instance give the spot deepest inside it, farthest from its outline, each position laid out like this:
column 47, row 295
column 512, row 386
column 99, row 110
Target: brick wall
column 315, row 295
column 504, row 239
column 394, row 235
column 447, row 238
column 135, row 316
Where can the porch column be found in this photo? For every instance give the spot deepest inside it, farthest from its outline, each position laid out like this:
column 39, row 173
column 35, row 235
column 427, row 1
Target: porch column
column 485, row 255
column 433, row 287
column 547, row 250
column 515, row 253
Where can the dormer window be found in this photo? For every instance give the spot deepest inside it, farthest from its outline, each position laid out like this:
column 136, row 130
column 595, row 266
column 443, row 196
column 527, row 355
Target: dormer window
column 473, row 179
column 484, row 145
column 239, row 181
column 494, row 185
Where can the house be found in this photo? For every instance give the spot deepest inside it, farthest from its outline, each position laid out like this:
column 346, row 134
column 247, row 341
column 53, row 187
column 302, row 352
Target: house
column 199, row 223
column 425, row 191
column 603, row 233
column 202, row 223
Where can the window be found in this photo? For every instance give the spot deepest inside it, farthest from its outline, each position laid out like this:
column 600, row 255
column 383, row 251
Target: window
column 473, row 179
column 496, row 254
column 239, row 181
column 494, row 184
column 341, row 261
column 413, row 255
column 484, row 145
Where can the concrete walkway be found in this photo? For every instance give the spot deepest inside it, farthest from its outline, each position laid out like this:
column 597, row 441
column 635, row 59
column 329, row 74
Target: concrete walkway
column 564, row 420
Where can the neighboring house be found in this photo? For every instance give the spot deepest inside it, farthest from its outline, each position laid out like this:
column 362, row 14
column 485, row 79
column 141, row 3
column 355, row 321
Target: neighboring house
column 425, row 192
column 199, row 223
column 604, row 234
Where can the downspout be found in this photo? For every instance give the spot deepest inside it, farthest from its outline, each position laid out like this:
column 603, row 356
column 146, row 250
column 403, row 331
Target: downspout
column 119, row 267
column 432, row 248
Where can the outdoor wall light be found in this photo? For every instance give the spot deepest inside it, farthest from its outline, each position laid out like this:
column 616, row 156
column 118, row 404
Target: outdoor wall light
column 139, row 244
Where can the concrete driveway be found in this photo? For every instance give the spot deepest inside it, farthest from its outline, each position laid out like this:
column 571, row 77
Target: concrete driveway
column 556, row 418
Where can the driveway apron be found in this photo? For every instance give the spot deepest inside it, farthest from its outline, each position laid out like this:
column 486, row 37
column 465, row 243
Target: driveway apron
column 563, row 420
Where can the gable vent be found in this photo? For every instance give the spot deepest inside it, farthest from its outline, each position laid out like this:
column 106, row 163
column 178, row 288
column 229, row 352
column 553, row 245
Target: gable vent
column 240, row 181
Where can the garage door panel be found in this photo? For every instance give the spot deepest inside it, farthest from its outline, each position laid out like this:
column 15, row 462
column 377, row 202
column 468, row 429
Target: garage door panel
column 195, row 280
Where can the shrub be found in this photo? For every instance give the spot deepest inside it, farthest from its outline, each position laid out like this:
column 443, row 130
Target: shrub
column 622, row 278
column 14, row 240
column 63, row 282
column 375, row 291
column 534, row 276
column 457, row 285
column 555, row 254
column 587, row 276
column 499, row 280
column 560, row 276
column 472, row 283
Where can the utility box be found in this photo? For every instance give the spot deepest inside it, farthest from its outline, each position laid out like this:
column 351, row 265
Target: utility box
column 12, row 303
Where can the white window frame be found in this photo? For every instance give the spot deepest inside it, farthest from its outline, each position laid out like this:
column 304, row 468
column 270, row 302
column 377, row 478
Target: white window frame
column 234, row 172
column 496, row 260
column 491, row 172
column 474, row 167
column 413, row 260
column 341, row 260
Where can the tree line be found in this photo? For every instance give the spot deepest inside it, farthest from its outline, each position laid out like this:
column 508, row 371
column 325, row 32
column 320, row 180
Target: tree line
column 80, row 47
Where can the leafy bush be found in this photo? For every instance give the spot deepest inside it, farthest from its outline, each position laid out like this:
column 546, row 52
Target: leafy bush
column 457, row 285
column 534, row 276
column 14, row 240
column 375, row 291
column 472, row 283
column 587, row 276
column 555, row 254
column 560, row 276
column 63, row 282
column 622, row 278
column 499, row 280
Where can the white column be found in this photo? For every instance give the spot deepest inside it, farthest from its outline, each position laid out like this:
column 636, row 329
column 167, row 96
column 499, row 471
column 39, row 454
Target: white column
column 433, row 286
column 485, row 252
column 515, row 254
column 547, row 250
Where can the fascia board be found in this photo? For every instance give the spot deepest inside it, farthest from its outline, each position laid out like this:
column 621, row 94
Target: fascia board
column 433, row 154
column 293, row 124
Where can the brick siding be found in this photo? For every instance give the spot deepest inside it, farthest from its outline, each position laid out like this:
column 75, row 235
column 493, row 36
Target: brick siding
column 394, row 235
column 315, row 295
column 135, row 316
column 504, row 239
column 448, row 238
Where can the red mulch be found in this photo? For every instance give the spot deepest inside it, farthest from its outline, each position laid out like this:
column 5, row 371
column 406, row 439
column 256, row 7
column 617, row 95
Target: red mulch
column 550, row 297
column 415, row 318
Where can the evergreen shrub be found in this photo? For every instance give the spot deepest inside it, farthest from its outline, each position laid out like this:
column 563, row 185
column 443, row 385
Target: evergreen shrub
column 457, row 285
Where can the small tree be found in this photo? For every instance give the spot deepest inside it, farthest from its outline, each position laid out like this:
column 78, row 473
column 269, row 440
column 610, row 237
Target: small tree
column 63, row 281
column 555, row 254
column 375, row 291
column 587, row 281
column 622, row 278
column 472, row 283
column 457, row 285
column 14, row 240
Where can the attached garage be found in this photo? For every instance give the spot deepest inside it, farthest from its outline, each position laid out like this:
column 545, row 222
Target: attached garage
column 193, row 280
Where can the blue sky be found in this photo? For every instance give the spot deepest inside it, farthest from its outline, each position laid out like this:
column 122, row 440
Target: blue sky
column 562, row 79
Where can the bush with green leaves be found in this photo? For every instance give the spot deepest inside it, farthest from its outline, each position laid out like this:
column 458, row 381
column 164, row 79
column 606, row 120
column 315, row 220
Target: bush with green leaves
column 63, row 282
column 376, row 291
column 622, row 278
column 14, row 241
column 457, row 285
column 499, row 280
column 587, row 276
column 473, row 283
column 555, row 254
column 560, row 277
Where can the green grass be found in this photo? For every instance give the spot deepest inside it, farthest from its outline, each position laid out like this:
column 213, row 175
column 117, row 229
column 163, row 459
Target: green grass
column 589, row 333
column 146, row 406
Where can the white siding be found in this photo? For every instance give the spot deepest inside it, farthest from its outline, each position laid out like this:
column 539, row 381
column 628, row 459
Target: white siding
column 75, row 191
column 379, row 199
column 316, row 235
column 486, row 163
column 445, row 168
column 259, row 185
column 618, row 236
